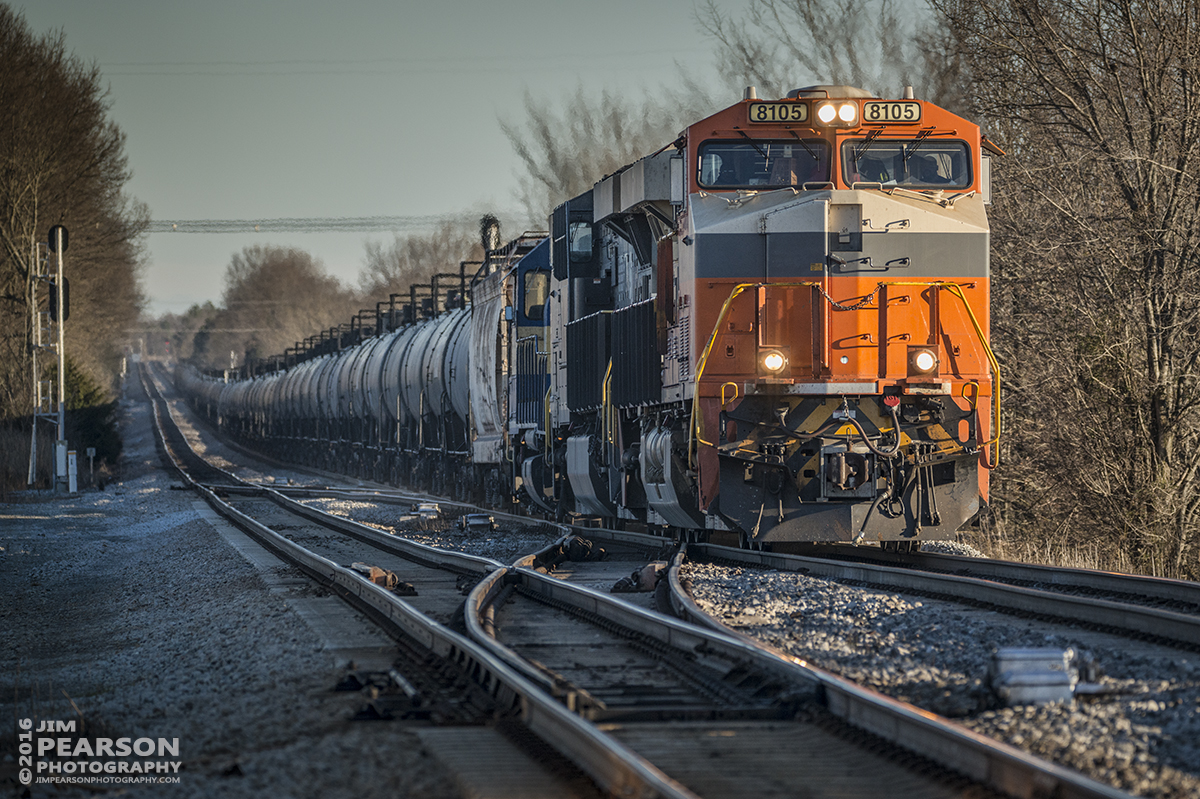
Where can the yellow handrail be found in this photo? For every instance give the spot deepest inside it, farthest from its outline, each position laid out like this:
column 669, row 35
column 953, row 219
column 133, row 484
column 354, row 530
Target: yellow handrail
column 956, row 290
column 736, row 393
column 694, row 428
column 606, row 402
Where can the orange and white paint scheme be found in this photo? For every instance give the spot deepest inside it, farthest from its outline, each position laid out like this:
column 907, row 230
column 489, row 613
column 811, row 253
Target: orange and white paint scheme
column 820, row 291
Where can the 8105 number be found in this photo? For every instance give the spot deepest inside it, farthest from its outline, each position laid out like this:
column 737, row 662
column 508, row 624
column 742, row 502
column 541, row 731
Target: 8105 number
column 778, row 112
column 891, row 112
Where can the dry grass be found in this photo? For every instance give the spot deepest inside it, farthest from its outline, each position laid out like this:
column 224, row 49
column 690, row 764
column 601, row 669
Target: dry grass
column 14, row 459
column 1100, row 553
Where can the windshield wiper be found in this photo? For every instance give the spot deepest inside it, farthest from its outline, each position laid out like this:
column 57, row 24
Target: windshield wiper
column 859, row 152
column 754, row 144
column 921, row 136
column 804, row 144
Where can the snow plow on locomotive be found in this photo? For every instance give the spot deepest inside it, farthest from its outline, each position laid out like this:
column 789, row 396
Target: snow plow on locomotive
column 773, row 330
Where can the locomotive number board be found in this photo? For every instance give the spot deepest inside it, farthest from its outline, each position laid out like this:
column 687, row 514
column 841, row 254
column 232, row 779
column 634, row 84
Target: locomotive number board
column 891, row 112
column 778, row 112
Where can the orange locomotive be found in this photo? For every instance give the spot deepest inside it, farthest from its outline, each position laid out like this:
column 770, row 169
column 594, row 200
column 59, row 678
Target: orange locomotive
column 777, row 328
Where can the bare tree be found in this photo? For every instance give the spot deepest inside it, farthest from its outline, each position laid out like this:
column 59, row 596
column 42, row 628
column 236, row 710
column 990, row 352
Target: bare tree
column 880, row 45
column 565, row 152
column 775, row 45
column 1098, row 261
column 415, row 258
column 781, row 44
column 273, row 297
column 173, row 335
column 61, row 161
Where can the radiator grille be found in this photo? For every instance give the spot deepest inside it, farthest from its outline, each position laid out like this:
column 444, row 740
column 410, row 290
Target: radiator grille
column 532, row 381
column 587, row 359
column 637, row 366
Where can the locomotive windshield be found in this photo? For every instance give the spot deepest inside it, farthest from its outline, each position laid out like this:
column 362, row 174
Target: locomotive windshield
column 915, row 163
column 762, row 164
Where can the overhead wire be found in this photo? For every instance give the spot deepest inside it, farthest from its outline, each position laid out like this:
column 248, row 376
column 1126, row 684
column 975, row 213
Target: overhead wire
column 340, row 224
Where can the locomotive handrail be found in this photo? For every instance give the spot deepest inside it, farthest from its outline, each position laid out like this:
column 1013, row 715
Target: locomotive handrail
column 606, row 402
column 695, row 433
column 956, row 290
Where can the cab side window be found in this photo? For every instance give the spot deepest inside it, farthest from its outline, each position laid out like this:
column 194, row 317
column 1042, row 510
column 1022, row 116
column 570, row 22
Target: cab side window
column 579, row 241
column 536, row 290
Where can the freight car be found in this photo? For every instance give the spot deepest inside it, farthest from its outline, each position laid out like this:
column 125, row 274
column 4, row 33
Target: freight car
column 773, row 330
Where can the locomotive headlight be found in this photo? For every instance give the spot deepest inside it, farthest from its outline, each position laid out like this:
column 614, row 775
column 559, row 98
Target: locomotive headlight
column 839, row 114
column 773, row 361
column 922, row 361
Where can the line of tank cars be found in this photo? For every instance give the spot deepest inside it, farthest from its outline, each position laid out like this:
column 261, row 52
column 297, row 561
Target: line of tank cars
column 773, row 330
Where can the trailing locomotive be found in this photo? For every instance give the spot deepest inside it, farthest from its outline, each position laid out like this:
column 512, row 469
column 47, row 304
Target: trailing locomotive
column 773, row 330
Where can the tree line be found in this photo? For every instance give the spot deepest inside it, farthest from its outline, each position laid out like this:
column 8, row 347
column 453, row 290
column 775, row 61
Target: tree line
column 275, row 297
column 62, row 161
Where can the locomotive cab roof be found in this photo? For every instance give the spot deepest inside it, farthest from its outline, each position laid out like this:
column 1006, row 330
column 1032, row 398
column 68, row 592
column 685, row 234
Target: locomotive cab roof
column 827, row 91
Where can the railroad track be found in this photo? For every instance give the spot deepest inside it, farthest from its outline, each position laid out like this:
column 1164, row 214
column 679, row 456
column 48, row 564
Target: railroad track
column 1133, row 589
column 646, row 704
column 928, row 638
column 1145, row 608
column 464, row 678
column 676, row 693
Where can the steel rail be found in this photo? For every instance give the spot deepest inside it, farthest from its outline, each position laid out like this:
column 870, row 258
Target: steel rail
column 404, row 547
column 156, row 396
column 390, row 495
column 1138, row 585
column 448, row 559
column 1151, row 588
column 618, row 769
column 614, row 766
column 513, row 682
column 997, row 765
column 1137, row 620
column 643, row 540
column 480, row 621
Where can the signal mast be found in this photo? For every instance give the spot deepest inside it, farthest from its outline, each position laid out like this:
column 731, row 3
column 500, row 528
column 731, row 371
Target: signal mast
column 48, row 337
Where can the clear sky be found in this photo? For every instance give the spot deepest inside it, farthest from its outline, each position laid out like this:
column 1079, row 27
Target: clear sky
column 260, row 109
